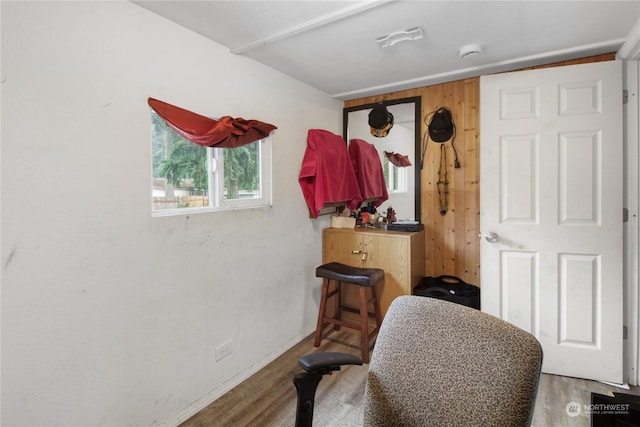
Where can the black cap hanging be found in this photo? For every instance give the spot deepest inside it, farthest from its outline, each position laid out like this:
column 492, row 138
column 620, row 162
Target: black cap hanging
column 441, row 126
column 380, row 121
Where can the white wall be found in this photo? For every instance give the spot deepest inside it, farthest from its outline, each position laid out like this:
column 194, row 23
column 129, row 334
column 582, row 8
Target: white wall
column 111, row 317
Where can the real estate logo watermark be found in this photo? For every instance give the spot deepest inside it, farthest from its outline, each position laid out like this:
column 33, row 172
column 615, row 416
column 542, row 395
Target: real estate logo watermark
column 607, row 408
column 573, row 409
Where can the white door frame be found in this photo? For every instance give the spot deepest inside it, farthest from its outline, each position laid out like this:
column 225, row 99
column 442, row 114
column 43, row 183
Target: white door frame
column 631, row 320
column 630, row 53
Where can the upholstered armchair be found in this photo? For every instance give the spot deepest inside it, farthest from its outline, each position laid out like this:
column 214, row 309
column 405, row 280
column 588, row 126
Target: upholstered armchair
column 436, row 363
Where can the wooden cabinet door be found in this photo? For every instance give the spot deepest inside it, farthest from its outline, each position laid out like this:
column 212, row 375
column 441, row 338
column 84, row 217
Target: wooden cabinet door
column 392, row 254
column 339, row 245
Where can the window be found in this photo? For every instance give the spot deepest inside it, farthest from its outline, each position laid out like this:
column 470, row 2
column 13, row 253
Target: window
column 395, row 177
column 188, row 178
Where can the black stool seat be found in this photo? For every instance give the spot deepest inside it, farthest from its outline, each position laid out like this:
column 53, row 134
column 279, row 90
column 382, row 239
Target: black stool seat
column 343, row 273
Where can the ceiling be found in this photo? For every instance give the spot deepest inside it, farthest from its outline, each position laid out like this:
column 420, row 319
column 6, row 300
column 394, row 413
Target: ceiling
column 331, row 45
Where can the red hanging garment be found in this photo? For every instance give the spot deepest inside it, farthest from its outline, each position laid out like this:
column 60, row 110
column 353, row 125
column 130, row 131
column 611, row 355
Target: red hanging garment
column 368, row 169
column 327, row 174
column 398, row 159
column 226, row 132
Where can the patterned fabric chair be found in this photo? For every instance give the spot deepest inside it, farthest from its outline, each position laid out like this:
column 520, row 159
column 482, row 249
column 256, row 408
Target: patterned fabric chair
column 436, row 363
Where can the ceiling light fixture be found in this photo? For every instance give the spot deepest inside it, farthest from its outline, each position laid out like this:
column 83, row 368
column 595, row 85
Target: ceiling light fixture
column 470, row 50
column 398, row 36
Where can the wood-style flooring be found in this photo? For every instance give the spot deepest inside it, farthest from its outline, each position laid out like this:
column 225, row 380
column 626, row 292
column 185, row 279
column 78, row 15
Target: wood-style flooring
column 268, row 398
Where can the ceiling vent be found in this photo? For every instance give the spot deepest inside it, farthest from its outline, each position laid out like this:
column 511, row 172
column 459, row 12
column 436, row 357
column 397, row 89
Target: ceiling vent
column 399, row 36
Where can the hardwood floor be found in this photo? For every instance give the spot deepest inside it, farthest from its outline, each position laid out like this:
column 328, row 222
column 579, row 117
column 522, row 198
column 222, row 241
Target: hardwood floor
column 268, row 398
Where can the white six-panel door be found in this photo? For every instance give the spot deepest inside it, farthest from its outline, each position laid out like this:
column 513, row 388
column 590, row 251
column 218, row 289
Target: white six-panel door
column 551, row 212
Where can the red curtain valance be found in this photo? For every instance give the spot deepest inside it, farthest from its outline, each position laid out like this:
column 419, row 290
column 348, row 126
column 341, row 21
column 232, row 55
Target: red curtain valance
column 224, row 133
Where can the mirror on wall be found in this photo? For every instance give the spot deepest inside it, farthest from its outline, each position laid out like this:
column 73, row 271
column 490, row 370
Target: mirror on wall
column 403, row 183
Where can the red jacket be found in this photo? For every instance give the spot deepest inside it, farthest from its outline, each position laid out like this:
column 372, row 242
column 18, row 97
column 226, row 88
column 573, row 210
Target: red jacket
column 327, row 173
column 368, row 169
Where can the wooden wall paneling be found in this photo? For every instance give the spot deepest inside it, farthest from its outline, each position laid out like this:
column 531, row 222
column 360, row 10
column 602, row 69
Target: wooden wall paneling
column 433, row 96
column 459, row 177
column 471, row 273
column 441, row 256
column 429, row 196
column 447, row 221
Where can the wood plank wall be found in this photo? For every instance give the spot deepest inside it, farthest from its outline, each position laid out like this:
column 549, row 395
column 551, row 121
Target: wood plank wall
column 452, row 243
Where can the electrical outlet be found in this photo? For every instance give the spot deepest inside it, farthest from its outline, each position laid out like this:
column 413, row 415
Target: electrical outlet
column 223, row 350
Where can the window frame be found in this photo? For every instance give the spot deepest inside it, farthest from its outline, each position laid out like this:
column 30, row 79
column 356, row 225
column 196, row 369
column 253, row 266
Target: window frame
column 264, row 173
column 402, row 177
column 215, row 184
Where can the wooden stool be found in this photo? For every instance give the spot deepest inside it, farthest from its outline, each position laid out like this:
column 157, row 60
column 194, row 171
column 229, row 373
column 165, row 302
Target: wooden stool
column 365, row 278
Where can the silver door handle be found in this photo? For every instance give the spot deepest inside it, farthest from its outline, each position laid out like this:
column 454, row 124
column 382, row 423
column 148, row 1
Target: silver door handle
column 490, row 237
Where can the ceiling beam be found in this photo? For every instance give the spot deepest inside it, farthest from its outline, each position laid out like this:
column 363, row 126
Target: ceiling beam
column 630, row 50
column 310, row 25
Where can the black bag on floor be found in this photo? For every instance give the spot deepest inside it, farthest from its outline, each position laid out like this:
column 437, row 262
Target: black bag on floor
column 449, row 288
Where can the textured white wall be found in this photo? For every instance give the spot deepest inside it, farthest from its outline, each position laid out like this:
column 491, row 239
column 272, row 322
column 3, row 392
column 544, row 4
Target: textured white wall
column 109, row 316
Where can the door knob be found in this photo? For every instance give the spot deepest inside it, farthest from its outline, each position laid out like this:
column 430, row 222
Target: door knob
column 490, row 237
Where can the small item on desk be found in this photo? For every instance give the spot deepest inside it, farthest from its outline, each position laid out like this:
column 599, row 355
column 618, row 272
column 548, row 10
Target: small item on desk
column 342, row 222
column 365, row 217
column 405, row 225
column 391, row 215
